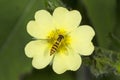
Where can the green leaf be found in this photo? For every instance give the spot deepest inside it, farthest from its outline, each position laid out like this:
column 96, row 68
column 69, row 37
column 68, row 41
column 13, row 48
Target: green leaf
column 10, row 12
column 117, row 27
column 15, row 15
column 115, row 41
column 102, row 14
column 115, row 35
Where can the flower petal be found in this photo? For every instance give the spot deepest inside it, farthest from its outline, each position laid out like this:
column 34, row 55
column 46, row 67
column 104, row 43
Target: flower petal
column 41, row 61
column 65, row 19
column 68, row 61
column 35, row 48
column 42, row 25
column 81, row 40
column 39, row 51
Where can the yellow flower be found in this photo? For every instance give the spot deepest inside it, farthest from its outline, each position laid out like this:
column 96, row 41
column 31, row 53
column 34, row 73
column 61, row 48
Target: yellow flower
column 59, row 40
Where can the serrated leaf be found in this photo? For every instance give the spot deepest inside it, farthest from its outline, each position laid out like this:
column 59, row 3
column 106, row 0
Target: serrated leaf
column 104, row 61
column 110, row 76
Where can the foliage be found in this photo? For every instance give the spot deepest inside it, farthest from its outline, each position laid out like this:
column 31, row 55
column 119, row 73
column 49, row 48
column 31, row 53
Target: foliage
column 103, row 15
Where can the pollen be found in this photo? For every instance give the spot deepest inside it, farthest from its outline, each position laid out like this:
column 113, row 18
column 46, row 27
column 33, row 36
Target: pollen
column 58, row 41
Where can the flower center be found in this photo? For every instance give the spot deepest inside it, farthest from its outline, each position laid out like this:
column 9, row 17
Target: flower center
column 58, row 41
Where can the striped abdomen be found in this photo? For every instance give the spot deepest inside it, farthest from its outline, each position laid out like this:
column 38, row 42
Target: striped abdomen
column 56, row 44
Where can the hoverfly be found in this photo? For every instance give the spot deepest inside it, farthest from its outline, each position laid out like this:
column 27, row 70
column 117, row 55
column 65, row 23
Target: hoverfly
column 56, row 45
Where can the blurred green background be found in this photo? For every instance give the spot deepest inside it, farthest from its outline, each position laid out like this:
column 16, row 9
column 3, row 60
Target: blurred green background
column 103, row 15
